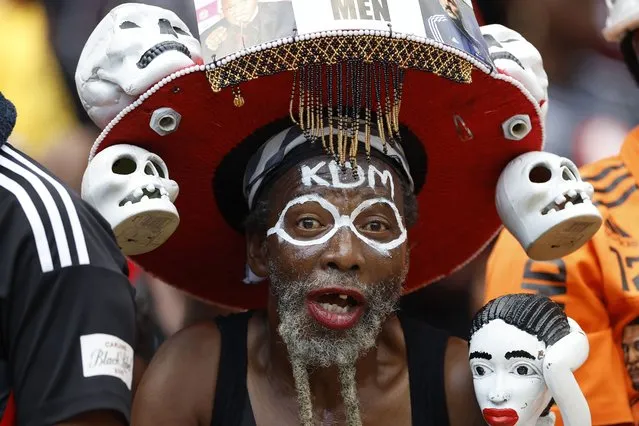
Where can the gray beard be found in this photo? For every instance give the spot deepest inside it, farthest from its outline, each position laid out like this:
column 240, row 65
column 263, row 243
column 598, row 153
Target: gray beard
column 313, row 345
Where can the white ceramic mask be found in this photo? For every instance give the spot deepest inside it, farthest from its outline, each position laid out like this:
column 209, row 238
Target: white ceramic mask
column 544, row 203
column 507, row 363
column 131, row 188
column 130, row 50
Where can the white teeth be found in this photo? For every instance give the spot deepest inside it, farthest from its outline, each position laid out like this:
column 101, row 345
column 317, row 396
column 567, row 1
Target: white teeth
column 334, row 308
column 568, row 205
column 145, row 198
column 163, row 191
column 552, row 211
column 343, row 296
column 128, row 203
column 560, row 199
column 164, row 197
column 584, row 196
column 138, row 192
column 572, row 193
column 150, row 187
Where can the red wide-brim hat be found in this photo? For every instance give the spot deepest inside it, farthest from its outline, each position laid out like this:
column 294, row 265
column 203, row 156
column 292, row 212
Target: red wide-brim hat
column 461, row 123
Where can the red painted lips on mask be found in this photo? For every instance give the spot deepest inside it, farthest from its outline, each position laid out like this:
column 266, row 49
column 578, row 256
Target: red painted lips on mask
column 500, row 416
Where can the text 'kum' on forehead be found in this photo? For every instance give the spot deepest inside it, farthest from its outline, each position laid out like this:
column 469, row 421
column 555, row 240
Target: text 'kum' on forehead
column 331, row 175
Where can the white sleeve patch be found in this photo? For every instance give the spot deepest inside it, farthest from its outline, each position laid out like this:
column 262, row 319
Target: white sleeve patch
column 107, row 355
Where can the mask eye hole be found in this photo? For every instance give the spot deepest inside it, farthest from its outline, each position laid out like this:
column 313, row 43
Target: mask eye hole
column 181, row 31
column 124, row 166
column 540, row 174
column 566, row 174
column 569, row 172
column 126, row 25
column 159, row 169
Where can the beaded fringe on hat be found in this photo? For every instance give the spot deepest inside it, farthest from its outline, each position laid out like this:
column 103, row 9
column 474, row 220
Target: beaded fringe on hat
column 348, row 99
column 344, row 87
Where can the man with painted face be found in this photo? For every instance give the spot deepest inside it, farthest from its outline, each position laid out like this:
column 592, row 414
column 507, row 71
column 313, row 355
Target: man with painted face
column 598, row 284
column 332, row 243
column 299, row 179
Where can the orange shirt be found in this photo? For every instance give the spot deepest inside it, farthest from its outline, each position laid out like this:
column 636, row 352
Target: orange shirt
column 598, row 284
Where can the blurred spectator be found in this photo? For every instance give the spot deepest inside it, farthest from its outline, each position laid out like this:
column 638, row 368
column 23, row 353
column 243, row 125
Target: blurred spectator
column 593, row 100
column 31, row 78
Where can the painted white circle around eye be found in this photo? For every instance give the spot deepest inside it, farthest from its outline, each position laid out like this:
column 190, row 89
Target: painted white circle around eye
column 339, row 221
column 329, row 207
column 381, row 247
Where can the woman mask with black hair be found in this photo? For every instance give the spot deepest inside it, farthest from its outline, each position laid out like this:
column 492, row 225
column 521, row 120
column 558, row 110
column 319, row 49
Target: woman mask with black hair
column 523, row 351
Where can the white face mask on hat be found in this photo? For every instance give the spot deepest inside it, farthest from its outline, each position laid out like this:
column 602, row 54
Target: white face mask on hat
column 131, row 49
column 544, row 203
column 130, row 187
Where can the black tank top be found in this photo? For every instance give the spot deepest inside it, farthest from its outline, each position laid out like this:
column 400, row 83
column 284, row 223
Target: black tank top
column 425, row 348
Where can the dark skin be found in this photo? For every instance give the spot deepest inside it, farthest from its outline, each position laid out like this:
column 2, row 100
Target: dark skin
column 189, row 360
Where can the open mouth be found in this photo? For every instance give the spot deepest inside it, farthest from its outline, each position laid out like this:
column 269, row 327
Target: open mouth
column 155, row 51
column 566, row 201
column 145, row 193
column 336, row 308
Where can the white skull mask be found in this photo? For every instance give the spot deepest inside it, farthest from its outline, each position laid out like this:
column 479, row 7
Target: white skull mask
column 543, row 202
column 132, row 48
column 130, row 187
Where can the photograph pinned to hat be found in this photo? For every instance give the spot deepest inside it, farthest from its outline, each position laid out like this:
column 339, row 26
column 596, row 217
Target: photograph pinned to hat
column 343, row 76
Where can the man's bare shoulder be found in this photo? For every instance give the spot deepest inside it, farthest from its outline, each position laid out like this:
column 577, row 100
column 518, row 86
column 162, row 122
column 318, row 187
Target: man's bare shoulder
column 179, row 385
column 463, row 409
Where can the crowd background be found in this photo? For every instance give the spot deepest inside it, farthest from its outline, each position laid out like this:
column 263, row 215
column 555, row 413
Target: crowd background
column 593, row 104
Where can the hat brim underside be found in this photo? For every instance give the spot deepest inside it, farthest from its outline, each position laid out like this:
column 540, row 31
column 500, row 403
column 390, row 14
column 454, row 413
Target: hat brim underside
column 206, row 256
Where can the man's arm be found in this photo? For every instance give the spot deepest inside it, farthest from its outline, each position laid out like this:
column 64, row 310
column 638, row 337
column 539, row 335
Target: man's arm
column 178, row 387
column 463, row 409
column 70, row 347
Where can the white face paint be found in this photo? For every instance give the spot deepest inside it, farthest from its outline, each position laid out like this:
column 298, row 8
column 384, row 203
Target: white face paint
column 283, row 226
column 510, row 380
column 310, row 177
